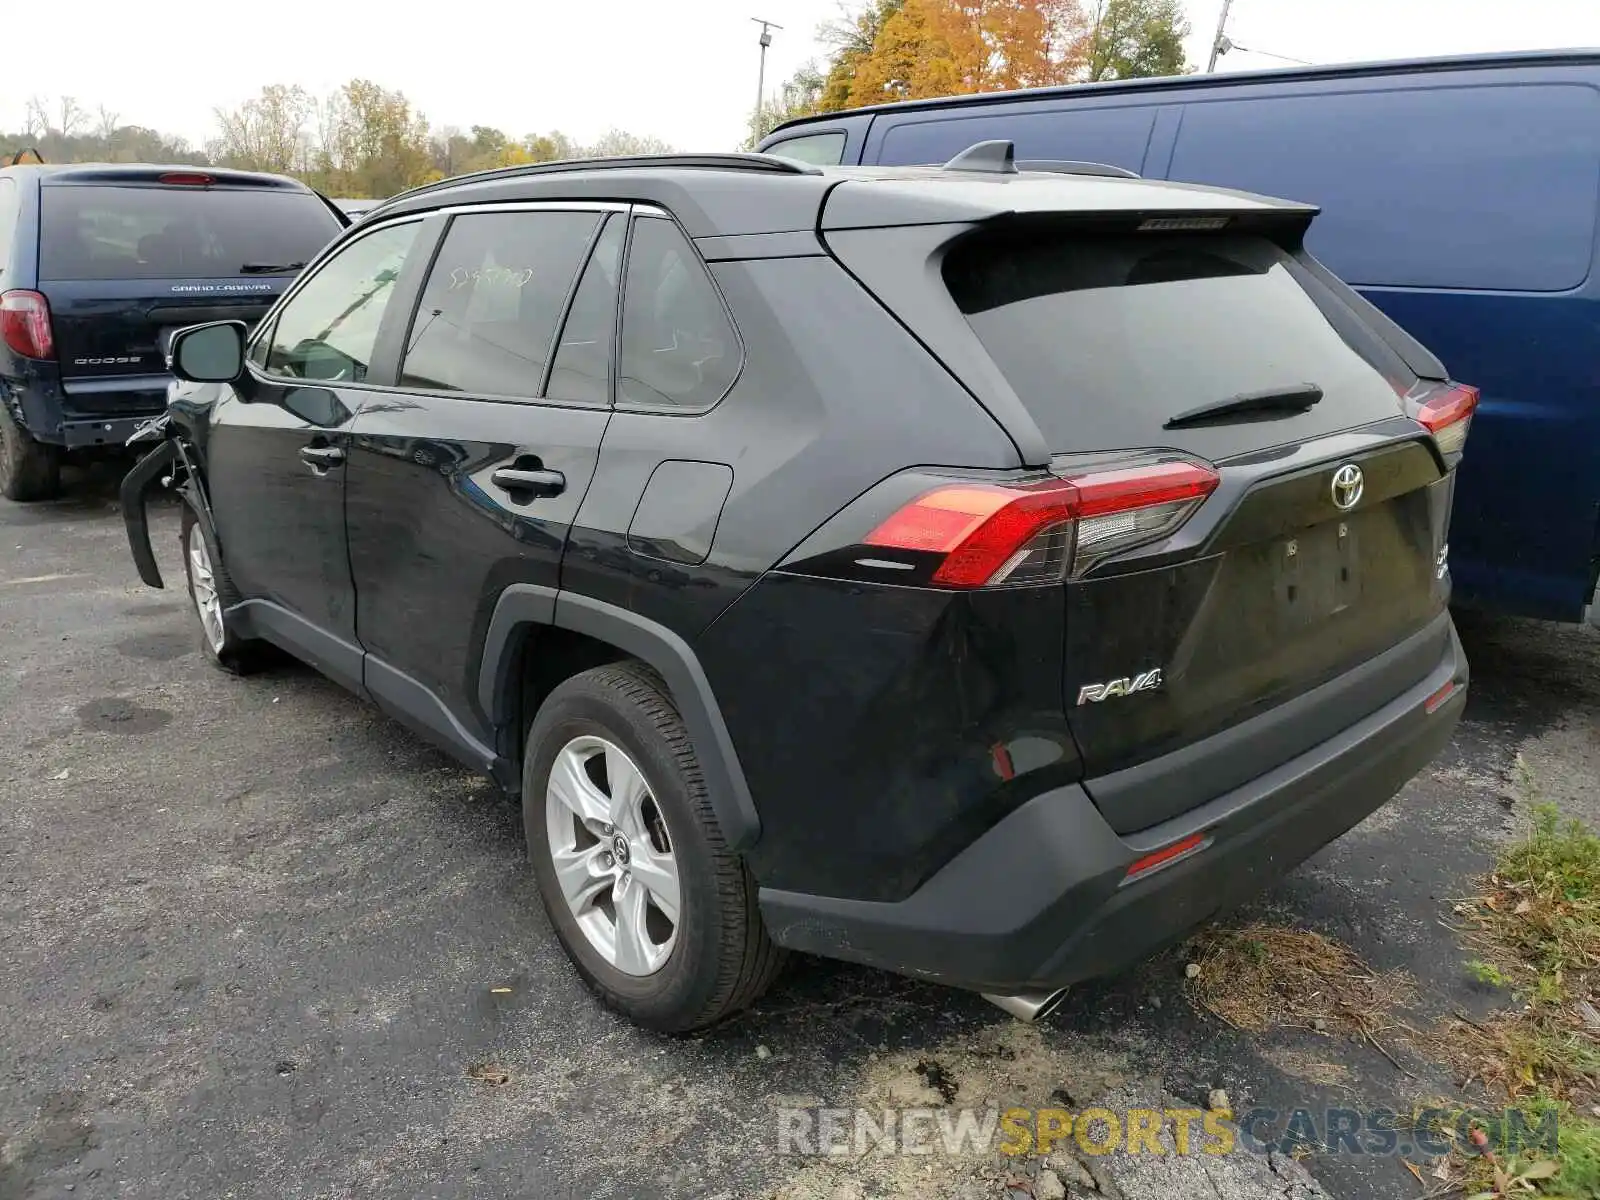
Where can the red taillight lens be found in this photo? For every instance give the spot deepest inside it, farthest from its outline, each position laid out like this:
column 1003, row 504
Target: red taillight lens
column 1447, row 414
column 25, row 324
column 186, row 179
column 994, row 535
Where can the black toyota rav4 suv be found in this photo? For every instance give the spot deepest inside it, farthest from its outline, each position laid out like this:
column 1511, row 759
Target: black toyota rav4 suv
column 980, row 573
column 99, row 264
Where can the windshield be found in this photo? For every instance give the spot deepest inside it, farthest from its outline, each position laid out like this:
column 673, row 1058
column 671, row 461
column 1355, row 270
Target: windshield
column 178, row 232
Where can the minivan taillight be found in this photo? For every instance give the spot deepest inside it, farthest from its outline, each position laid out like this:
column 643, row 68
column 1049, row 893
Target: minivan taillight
column 1013, row 535
column 1447, row 414
column 25, row 324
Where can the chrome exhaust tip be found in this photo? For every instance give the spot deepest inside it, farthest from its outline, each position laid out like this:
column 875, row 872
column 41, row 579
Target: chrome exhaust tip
column 1028, row 1006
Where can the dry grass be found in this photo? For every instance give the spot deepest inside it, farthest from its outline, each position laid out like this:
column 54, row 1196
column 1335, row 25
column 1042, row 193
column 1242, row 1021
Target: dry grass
column 1261, row 976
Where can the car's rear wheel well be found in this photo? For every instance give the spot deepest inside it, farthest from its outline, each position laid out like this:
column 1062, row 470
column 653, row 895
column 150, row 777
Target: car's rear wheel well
column 546, row 658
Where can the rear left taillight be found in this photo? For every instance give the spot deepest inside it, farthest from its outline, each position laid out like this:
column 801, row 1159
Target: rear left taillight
column 25, row 324
column 1447, row 414
column 1014, row 535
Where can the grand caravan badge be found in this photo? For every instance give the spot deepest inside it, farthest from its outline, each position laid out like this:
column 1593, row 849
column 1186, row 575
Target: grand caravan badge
column 1093, row 693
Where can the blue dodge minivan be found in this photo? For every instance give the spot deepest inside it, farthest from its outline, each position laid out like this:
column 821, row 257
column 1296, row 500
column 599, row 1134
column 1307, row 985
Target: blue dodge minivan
column 1460, row 195
column 100, row 263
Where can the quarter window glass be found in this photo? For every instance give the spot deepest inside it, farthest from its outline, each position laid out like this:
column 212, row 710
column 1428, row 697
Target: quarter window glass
column 820, row 149
column 8, row 217
column 329, row 328
column 489, row 309
column 582, row 370
column 678, row 348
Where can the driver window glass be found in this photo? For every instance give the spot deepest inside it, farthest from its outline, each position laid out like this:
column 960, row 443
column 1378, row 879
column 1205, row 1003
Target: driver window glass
column 678, row 349
column 328, row 330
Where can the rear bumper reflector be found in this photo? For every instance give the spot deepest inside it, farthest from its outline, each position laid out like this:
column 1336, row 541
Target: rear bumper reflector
column 1432, row 703
column 1165, row 856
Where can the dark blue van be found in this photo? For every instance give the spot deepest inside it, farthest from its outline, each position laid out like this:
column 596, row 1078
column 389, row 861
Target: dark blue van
column 1460, row 195
column 99, row 264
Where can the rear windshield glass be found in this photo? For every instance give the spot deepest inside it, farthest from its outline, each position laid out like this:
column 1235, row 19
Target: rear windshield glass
column 1105, row 337
column 177, row 232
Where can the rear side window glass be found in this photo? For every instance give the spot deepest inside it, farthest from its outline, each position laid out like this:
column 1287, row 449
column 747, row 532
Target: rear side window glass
column 1104, row 338
column 178, row 231
column 489, row 309
column 1117, row 136
column 328, row 328
column 8, row 218
column 582, row 370
column 678, row 348
column 821, row 149
column 1487, row 187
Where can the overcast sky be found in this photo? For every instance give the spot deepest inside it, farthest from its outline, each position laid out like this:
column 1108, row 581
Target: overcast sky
column 683, row 70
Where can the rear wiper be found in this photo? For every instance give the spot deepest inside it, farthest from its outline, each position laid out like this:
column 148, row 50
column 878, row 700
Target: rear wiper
column 1296, row 398
column 270, row 268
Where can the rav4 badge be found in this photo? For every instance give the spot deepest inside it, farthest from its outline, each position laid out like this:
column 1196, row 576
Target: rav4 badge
column 1093, row 693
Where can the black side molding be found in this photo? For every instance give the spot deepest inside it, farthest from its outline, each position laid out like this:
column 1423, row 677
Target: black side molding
column 672, row 657
column 134, row 494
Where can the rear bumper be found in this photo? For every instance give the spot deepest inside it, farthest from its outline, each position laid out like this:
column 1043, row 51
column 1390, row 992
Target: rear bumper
column 91, row 413
column 1039, row 900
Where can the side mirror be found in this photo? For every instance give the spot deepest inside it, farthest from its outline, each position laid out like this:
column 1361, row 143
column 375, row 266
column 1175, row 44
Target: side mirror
column 212, row 353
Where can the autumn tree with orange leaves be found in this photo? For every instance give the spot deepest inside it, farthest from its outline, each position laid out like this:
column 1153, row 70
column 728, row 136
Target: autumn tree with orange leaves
column 915, row 49
column 957, row 47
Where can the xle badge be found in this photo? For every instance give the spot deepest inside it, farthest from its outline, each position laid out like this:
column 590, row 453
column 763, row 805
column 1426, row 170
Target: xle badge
column 1093, row 693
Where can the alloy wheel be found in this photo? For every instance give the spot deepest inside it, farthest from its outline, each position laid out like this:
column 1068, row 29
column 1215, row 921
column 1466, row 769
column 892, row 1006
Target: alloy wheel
column 613, row 855
column 203, row 583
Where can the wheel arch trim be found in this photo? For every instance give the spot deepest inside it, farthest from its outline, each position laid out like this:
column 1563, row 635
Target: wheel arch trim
column 522, row 607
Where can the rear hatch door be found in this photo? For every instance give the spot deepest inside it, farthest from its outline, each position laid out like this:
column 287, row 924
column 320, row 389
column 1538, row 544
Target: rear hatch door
column 1279, row 582
column 126, row 259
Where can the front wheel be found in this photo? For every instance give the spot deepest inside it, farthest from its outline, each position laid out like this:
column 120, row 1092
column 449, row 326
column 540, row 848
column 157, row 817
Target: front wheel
column 657, row 914
column 211, row 591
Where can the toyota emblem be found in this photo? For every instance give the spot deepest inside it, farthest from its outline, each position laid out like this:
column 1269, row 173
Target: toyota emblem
column 1347, row 485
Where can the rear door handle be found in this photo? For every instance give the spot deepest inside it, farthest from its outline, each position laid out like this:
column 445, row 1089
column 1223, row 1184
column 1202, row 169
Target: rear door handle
column 321, row 457
column 538, row 483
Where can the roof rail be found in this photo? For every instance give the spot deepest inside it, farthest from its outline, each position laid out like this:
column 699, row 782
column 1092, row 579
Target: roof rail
column 770, row 163
column 1073, row 167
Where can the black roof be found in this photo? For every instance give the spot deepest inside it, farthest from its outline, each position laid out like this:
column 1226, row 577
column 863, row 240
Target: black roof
column 1227, row 79
column 723, row 195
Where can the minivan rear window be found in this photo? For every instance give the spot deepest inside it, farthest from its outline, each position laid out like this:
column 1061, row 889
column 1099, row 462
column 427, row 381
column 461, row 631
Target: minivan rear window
column 176, row 232
column 1105, row 337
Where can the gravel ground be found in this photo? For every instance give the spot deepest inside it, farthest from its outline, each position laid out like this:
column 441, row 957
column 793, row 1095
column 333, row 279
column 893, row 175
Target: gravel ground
column 257, row 940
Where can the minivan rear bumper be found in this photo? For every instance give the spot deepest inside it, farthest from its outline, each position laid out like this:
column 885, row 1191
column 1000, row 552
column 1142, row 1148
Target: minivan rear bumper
column 95, row 412
column 1041, row 900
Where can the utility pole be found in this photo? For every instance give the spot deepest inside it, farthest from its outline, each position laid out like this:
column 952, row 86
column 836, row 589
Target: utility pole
column 1219, row 44
column 761, row 74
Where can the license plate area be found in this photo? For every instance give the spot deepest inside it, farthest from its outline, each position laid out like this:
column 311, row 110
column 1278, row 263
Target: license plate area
column 1317, row 573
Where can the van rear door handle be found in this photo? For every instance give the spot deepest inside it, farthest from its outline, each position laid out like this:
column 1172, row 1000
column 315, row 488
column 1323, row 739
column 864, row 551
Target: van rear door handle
column 536, row 483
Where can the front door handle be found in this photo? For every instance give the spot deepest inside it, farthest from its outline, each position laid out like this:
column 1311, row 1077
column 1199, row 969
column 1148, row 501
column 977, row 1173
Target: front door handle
column 320, row 458
column 535, row 483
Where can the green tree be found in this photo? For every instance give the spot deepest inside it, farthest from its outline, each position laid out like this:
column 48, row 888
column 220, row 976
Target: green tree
column 1133, row 39
column 799, row 96
column 371, row 143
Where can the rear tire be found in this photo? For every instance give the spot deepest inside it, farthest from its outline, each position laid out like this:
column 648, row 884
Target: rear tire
column 212, row 593
column 29, row 470
column 610, row 733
